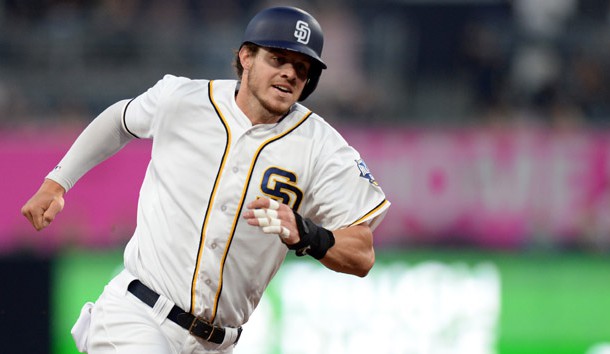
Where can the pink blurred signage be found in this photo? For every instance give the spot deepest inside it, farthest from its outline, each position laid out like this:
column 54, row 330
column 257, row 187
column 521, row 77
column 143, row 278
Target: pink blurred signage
column 493, row 188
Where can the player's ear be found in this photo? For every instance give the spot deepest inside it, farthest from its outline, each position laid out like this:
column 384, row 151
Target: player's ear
column 245, row 57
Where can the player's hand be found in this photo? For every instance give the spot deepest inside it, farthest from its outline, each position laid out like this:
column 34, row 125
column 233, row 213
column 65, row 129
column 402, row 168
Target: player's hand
column 42, row 208
column 273, row 217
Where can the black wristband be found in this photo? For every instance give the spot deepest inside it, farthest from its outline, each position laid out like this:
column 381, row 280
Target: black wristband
column 315, row 240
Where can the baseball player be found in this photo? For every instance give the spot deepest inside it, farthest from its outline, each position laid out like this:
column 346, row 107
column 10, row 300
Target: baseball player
column 240, row 174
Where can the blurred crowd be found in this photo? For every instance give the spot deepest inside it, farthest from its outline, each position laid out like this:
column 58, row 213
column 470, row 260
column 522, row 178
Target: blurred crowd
column 422, row 63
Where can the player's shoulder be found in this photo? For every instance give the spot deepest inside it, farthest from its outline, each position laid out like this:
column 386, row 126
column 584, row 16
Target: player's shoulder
column 170, row 80
column 171, row 87
column 316, row 126
column 314, row 120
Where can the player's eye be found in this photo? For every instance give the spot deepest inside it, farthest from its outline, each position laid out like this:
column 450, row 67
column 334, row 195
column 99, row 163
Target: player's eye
column 279, row 60
column 301, row 69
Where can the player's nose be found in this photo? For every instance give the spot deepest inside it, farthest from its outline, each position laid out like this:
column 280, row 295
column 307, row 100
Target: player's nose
column 289, row 71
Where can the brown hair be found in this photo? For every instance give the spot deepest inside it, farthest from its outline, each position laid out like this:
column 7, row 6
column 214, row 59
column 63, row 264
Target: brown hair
column 239, row 69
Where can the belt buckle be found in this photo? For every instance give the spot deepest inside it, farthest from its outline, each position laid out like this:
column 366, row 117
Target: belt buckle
column 196, row 322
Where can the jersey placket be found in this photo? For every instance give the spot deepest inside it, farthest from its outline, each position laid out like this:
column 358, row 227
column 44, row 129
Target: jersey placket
column 222, row 221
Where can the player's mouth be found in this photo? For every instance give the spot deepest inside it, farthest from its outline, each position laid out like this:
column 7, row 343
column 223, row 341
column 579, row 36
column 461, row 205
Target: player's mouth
column 283, row 89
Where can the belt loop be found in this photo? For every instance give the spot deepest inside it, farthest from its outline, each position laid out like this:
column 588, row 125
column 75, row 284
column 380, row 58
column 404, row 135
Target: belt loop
column 162, row 308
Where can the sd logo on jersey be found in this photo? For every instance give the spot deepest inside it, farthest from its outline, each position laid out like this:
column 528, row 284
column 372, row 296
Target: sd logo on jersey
column 365, row 172
column 282, row 185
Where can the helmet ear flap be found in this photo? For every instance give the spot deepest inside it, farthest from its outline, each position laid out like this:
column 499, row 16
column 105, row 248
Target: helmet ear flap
column 315, row 71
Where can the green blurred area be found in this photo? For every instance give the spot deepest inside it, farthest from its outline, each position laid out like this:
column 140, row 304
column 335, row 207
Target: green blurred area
column 77, row 277
column 550, row 302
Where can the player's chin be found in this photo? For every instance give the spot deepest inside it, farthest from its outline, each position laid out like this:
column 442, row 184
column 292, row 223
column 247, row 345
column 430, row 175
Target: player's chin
column 280, row 104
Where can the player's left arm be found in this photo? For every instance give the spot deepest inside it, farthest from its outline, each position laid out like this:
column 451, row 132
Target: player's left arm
column 353, row 251
column 348, row 250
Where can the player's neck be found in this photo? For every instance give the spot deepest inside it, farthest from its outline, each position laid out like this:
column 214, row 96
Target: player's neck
column 264, row 119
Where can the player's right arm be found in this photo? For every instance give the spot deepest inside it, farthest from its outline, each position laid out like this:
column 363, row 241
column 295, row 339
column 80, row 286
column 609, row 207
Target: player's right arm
column 100, row 140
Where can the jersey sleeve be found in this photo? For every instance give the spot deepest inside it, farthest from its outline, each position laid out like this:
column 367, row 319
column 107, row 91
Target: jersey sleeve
column 102, row 138
column 344, row 190
column 140, row 116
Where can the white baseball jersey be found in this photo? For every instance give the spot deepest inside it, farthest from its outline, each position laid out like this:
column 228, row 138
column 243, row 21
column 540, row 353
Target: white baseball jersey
column 208, row 161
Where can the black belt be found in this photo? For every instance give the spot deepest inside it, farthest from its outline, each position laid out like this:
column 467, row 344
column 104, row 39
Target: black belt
column 186, row 320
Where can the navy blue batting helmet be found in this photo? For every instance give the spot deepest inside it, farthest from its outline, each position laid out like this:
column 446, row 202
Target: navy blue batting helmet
column 292, row 29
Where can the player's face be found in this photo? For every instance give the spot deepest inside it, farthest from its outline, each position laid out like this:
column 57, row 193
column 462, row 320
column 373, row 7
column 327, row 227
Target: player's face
column 275, row 79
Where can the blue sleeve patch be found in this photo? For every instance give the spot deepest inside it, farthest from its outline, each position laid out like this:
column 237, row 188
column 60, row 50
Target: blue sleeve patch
column 365, row 172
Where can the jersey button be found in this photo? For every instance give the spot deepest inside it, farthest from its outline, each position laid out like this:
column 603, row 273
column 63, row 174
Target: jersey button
column 208, row 282
column 214, row 245
column 223, row 208
column 235, row 169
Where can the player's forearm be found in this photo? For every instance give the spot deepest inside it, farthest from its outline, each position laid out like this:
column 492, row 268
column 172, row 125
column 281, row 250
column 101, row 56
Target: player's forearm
column 349, row 250
column 353, row 252
column 100, row 140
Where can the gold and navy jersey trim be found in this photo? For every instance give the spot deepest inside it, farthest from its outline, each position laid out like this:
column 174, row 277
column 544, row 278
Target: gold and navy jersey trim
column 372, row 212
column 241, row 205
column 212, row 195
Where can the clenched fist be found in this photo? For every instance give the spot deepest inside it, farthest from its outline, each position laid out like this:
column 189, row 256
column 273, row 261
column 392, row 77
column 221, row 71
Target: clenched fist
column 42, row 208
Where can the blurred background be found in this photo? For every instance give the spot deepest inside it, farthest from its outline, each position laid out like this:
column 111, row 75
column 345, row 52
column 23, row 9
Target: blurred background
column 486, row 122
